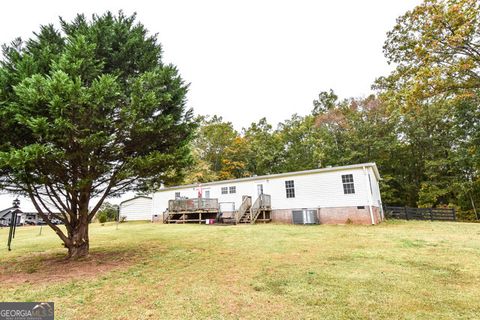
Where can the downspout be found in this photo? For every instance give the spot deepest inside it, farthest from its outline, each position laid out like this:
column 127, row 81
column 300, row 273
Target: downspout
column 369, row 194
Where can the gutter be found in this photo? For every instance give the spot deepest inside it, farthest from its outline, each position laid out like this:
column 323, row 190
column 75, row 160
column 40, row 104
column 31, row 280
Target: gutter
column 369, row 195
column 277, row 175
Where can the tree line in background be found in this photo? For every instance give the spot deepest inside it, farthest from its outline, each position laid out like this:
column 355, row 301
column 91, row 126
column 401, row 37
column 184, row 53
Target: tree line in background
column 421, row 127
column 90, row 110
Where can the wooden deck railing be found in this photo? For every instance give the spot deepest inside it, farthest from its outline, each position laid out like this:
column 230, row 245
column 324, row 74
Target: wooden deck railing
column 263, row 202
column 246, row 204
column 195, row 204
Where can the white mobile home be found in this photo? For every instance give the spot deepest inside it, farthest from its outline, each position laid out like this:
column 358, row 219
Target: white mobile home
column 332, row 195
column 137, row 208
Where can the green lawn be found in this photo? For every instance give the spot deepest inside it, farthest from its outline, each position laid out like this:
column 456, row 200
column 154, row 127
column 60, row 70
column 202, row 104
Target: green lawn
column 396, row 270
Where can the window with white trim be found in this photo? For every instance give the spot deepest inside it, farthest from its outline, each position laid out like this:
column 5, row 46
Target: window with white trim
column 259, row 189
column 233, row 189
column 177, row 195
column 224, row 190
column 348, row 185
column 290, row 188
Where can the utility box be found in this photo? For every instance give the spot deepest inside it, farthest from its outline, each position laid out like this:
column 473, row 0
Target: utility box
column 227, row 206
column 305, row 216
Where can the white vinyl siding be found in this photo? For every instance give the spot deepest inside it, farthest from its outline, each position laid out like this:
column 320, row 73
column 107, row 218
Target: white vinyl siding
column 137, row 209
column 312, row 190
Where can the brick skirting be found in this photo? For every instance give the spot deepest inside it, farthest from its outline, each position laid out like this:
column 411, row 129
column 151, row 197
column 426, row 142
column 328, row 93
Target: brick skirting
column 336, row 215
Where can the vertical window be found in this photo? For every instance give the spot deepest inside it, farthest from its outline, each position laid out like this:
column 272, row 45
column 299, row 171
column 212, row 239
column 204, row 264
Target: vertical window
column 207, row 194
column 177, row 195
column 290, row 188
column 348, row 186
column 233, row 189
column 259, row 189
column 224, row 190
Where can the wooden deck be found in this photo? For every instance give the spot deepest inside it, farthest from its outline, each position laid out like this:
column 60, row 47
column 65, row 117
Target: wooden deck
column 200, row 210
column 190, row 216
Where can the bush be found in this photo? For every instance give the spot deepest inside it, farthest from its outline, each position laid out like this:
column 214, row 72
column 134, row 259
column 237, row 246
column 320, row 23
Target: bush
column 108, row 210
column 102, row 218
column 466, row 215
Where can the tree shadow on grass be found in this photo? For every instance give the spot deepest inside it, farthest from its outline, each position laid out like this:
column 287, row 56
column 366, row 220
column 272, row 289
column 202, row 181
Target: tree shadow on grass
column 53, row 267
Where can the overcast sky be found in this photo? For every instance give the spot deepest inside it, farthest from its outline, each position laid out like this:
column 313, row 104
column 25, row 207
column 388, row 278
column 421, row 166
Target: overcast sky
column 247, row 59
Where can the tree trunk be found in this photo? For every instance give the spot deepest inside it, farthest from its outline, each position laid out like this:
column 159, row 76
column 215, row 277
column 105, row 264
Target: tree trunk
column 473, row 206
column 79, row 243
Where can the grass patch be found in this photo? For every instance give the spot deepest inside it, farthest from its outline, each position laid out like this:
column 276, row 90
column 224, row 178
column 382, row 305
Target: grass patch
column 407, row 243
column 400, row 270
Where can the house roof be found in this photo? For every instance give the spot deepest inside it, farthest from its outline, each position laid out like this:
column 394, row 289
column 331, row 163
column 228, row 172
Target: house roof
column 146, row 197
column 4, row 212
column 280, row 175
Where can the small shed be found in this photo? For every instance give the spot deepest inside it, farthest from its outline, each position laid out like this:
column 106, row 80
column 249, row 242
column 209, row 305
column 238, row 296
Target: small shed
column 136, row 208
column 6, row 216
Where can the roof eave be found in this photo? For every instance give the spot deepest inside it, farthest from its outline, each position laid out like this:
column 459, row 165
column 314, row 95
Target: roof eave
column 137, row 197
column 278, row 175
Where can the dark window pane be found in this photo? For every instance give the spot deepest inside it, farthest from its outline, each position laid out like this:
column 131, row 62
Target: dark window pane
column 290, row 189
column 348, row 188
column 348, row 185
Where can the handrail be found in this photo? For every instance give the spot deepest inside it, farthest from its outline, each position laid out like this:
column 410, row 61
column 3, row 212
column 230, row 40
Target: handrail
column 246, row 204
column 263, row 202
column 166, row 214
column 255, row 208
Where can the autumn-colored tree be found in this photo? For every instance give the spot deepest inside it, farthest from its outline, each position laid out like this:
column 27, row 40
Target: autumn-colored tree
column 357, row 131
column 234, row 162
column 435, row 85
column 422, row 127
column 436, row 49
column 199, row 171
